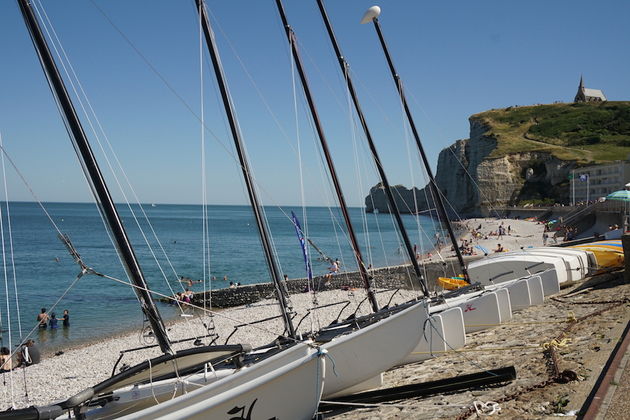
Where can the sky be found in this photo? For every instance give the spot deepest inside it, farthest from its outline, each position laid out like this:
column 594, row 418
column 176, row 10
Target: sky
column 456, row 58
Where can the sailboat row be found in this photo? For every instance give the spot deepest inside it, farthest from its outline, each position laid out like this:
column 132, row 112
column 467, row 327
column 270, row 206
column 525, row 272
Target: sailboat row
column 288, row 377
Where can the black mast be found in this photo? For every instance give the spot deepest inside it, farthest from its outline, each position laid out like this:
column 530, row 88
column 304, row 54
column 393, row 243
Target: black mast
column 331, row 167
column 436, row 191
column 390, row 198
column 238, row 143
column 94, row 176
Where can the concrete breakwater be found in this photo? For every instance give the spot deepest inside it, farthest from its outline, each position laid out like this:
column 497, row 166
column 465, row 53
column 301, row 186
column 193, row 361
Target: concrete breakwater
column 400, row 276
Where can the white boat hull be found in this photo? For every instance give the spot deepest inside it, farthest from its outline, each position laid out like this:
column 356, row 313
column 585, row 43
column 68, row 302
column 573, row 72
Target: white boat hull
column 550, row 282
column 480, row 309
column 442, row 332
column 508, row 267
column 572, row 262
column 536, row 293
column 586, row 262
column 505, row 306
column 363, row 354
column 520, row 297
column 268, row 389
column 482, row 312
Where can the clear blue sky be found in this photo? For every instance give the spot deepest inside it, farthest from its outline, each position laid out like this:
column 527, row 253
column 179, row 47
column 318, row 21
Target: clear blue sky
column 456, row 58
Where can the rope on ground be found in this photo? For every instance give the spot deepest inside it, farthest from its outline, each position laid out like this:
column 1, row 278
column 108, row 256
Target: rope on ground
column 592, row 302
column 554, row 343
column 570, row 318
column 556, row 376
column 486, row 408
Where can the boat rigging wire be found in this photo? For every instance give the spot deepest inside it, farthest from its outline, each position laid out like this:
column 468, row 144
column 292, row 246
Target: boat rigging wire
column 205, row 248
column 450, row 149
column 84, row 101
column 6, row 278
column 10, row 230
column 220, row 314
column 305, row 224
column 358, row 171
column 52, row 307
column 170, row 87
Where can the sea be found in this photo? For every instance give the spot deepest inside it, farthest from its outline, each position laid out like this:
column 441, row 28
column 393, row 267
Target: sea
column 40, row 272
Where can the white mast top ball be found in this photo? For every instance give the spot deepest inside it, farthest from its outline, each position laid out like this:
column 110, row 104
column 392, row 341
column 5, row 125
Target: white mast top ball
column 371, row 14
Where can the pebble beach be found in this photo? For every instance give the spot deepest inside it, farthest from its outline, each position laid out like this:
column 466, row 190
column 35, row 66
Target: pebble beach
column 60, row 376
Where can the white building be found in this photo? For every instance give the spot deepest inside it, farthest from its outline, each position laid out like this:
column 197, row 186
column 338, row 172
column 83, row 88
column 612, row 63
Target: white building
column 589, row 95
column 593, row 182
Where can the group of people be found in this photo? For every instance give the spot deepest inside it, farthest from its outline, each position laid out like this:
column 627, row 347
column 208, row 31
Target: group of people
column 185, row 296
column 28, row 354
column 467, row 247
column 51, row 321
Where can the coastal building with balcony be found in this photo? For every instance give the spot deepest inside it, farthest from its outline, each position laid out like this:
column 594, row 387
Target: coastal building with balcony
column 592, row 182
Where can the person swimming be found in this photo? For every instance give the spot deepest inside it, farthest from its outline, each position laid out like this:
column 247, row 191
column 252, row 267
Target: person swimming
column 52, row 322
column 42, row 318
column 66, row 318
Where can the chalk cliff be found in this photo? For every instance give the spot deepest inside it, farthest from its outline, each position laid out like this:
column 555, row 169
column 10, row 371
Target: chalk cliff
column 518, row 155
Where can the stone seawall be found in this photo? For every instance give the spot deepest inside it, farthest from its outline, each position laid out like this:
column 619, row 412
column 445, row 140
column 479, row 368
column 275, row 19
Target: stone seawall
column 383, row 278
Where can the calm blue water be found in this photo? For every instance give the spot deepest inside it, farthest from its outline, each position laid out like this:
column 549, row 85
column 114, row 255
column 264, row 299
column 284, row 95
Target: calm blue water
column 99, row 307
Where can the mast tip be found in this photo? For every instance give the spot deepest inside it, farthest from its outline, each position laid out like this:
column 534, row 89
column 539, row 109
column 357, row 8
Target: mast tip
column 371, row 14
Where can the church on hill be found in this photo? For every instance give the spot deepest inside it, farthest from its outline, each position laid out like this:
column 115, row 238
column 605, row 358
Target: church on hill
column 589, row 95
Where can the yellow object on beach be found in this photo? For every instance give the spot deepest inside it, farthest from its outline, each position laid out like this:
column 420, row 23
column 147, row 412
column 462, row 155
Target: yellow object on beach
column 452, row 283
column 609, row 254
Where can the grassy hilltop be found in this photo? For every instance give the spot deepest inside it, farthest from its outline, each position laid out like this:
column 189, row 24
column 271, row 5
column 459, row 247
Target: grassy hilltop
column 584, row 132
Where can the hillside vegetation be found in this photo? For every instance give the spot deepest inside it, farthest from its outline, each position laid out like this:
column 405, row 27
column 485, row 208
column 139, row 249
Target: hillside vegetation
column 585, row 132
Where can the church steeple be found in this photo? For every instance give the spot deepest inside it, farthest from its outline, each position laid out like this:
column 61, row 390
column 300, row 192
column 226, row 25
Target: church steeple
column 588, row 95
column 580, row 96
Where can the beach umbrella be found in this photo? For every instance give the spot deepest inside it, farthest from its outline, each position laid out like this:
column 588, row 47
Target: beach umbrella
column 622, row 195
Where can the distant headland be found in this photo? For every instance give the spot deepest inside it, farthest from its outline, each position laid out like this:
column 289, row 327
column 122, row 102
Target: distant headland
column 523, row 154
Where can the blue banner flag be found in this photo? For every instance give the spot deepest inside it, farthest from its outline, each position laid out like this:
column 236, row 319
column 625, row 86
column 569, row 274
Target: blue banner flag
column 302, row 239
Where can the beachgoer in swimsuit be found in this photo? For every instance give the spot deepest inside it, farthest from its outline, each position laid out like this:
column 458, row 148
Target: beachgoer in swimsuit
column 42, row 318
column 66, row 318
column 52, row 322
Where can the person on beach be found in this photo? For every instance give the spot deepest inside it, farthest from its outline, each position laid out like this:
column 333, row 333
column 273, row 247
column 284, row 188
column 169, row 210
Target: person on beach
column 499, row 248
column 333, row 269
column 66, row 318
column 28, row 354
column 545, row 237
column 232, row 285
column 6, row 363
column 188, row 295
column 53, row 321
column 415, row 252
column 42, row 318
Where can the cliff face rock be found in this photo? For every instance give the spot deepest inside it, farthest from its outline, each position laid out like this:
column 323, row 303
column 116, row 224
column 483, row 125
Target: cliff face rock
column 405, row 199
column 473, row 181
